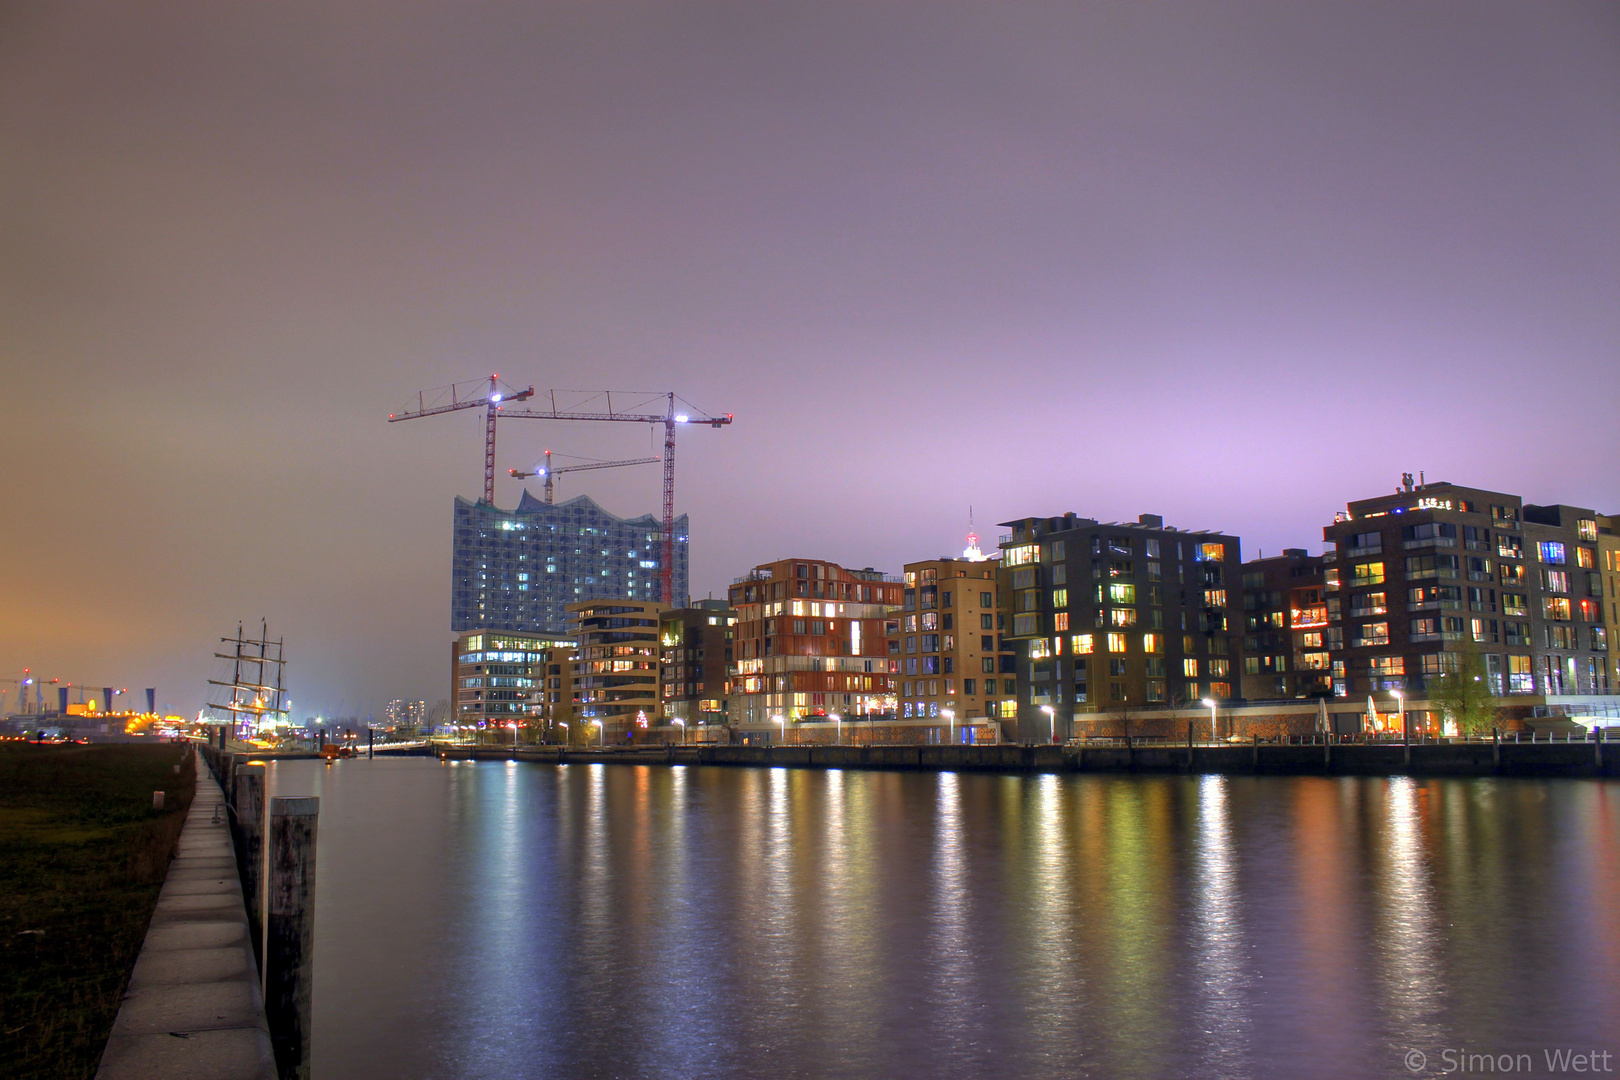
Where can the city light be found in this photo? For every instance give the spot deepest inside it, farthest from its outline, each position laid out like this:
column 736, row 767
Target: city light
column 1051, row 714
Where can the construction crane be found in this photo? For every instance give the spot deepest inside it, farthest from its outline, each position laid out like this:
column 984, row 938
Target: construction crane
column 469, row 395
column 548, row 472
column 669, row 417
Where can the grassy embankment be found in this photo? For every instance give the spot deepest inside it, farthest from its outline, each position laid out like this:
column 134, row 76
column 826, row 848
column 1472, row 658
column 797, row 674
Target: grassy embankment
column 82, row 858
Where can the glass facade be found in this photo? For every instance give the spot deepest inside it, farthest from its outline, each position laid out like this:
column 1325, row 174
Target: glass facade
column 515, row 570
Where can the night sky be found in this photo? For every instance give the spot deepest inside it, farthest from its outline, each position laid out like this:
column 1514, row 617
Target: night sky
column 1234, row 265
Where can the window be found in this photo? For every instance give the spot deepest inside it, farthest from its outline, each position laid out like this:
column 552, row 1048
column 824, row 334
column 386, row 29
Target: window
column 1026, row 624
column 1510, row 574
column 1116, row 668
column 930, row 643
column 911, row 644
column 987, row 643
column 1152, row 643
column 1587, row 529
column 1210, row 553
column 1374, row 634
column 1219, row 668
column 1022, row 555
column 1585, row 558
column 1431, row 566
column 1387, row 665
column 1370, row 573
column 930, row 621
column 1039, row 649
column 1122, row 616
column 1551, row 551
column 1060, row 598
column 1591, row 611
column 1060, row 623
column 1082, row 644
column 1600, row 639
column 1520, row 679
column 1373, row 603
column 967, row 687
column 1367, row 543
column 1215, row 598
column 1116, row 643
column 1556, row 607
column 1555, row 581
column 1560, row 637
column 988, row 666
column 1121, row 593
column 1514, row 604
column 1189, row 668
column 1509, row 546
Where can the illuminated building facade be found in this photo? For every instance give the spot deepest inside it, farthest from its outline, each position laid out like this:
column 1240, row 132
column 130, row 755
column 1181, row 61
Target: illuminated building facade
column 696, row 662
column 1416, row 575
column 1609, row 562
column 616, row 667
column 518, row 570
column 950, row 641
column 1116, row 616
column 813, row 639
column 1285, row 628
column 503, row 678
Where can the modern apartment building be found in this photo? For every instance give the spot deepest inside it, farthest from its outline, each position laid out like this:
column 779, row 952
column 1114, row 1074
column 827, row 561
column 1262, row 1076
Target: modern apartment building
column 811, row 639
column 1118, row 615
column 949, row 641
column 615, row 676
column 1285, row 624
column 499, row 679
column 518, row 570
column 1416, row 574
column 697, row 658
column 1609, row 562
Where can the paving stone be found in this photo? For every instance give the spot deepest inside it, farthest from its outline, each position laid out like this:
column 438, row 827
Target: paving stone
column 175, row 966
column 189, row 1007
column 231, row 1054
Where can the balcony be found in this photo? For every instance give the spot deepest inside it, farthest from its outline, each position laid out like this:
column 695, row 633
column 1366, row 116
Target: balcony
column 1356, row 553
column 1429, row 541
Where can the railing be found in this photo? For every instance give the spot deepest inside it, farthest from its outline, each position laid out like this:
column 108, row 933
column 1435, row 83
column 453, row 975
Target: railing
column 1428, row 541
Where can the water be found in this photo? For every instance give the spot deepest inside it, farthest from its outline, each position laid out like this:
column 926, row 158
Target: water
column 511, row 920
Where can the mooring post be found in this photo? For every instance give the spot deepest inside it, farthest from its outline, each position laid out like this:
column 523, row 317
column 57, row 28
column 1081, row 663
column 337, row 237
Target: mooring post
column 1406, row 742
column 289, row 947
column 1597, row 746
column 1255, row 762
column 1496, row 749
column 371, row 742
column 250, row 850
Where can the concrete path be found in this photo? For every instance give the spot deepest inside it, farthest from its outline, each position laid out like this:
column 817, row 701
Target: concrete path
column 193, row 1009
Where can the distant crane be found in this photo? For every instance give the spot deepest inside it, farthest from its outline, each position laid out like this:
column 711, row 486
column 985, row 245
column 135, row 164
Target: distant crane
column 463, row 395
column 497, row 393
column 548, row 472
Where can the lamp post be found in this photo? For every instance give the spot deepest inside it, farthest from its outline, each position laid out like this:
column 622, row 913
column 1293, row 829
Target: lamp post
column 782, row 720
column 1209, row 703
column 839, row 720
column 681, row 722
column 602, row 730
column 564, row 725
column 1051, row 714
column 950, row 715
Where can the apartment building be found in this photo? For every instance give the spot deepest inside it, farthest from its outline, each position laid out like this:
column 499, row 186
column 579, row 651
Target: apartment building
column 950, row 642
column 812, row 639
column 697, row 658
column 615, row 679
column 502, row 678
column 1118, row 615
column 1418, row 576
column 1285, row 625
column 1609, row 563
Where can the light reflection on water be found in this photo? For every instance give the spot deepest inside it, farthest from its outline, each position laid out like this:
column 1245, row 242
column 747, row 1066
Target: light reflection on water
column 506, row 920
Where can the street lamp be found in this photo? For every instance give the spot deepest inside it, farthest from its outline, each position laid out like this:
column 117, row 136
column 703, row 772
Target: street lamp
column 564, row 725
column 950, row 714
column 1209, row 703
column 1051, row 714
column 783, row 721
column 681, row 722
column 839, row 720
column 603, row 730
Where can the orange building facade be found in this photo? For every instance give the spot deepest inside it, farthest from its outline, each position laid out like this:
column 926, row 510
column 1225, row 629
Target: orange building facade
column 813, row 639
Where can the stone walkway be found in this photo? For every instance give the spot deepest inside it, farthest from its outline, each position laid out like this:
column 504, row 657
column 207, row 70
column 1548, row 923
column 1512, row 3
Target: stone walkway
column 193, row 1009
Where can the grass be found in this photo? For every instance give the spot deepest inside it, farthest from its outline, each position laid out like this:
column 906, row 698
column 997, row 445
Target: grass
column 82, row 858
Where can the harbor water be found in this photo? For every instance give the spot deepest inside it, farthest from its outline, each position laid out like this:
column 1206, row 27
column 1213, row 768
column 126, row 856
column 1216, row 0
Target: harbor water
column 505, row 919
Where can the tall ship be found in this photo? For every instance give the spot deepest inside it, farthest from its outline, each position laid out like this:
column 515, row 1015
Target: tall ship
column 252, row 702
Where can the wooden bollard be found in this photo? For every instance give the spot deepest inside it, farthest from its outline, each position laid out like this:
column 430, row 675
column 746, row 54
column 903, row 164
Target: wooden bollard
column 289, row 945
column 157, row 799
column 250, row 850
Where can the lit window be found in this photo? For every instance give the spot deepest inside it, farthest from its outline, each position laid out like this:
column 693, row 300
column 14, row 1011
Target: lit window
column 1189, row 668
column 1551, row 551
column 1060, row 622
column 1022, row 555
column 1060, row 598
column 1369, row 573
column 1211, row 553
column 1039, row 649
column 1116, row 643
column 1121, row 593
column 1152, row 643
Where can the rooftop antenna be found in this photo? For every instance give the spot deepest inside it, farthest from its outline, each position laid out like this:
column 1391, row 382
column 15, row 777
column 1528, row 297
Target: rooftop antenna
column 972, row 552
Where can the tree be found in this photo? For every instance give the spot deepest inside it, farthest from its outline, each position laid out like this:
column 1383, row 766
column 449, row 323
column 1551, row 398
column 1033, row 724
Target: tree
column 1463, row 694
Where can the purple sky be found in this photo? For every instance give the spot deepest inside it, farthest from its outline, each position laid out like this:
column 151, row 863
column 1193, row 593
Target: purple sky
column 1232, row 265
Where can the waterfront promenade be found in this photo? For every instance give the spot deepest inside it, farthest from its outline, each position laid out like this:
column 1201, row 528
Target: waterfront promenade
column 1590, row 758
